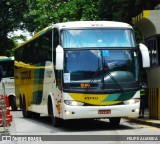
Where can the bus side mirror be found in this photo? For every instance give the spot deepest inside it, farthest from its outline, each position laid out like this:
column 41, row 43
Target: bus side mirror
column 145, row 55
column 59, row 58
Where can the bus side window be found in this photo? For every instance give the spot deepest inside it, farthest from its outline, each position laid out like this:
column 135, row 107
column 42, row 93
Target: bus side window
column 55, row 44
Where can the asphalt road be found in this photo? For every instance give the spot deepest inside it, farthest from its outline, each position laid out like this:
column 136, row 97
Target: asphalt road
column 79, row 131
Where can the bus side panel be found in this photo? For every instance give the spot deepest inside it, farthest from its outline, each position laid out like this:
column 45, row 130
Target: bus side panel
column 51, row 89
column 24, row 80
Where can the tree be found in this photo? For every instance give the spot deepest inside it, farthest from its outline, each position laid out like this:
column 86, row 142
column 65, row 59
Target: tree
column 11, row 19
column 43, row 13
column 35, row 15
column 79, row 10
column 119, row 10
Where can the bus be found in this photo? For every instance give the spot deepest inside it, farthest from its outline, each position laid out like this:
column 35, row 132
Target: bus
column 7, row 80
column 80, row 70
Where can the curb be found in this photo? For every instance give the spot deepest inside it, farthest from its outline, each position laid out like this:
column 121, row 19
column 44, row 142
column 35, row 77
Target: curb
column 145, row 122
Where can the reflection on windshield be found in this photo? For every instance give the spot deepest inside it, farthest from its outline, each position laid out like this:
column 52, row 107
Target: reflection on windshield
column 93, row 65
column 97, row 38
column 82, row 61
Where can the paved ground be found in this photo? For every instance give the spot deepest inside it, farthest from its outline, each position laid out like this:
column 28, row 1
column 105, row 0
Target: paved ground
column 146, row 120
column 125, row 128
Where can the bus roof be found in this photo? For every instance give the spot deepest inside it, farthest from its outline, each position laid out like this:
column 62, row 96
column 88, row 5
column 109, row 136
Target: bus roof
column 92, row 24
column 4, row 58
column 80, row 24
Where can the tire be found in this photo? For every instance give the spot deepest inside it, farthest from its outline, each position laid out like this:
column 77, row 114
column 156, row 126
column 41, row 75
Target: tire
column 20, row 103
column 13, row 105
column 12, row 102
column 115, row 121
column 25, row 112
column 56, row 122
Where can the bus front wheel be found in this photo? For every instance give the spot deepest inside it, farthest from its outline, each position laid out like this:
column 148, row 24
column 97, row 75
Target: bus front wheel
column 55, row 121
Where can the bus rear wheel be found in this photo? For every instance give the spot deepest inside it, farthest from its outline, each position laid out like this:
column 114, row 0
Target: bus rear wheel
column 20, row 102
column 25, row 112
column 115, row 121
column 12, row 102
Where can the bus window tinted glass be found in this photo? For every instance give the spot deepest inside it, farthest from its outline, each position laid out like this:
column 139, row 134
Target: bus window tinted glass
column 97, row 38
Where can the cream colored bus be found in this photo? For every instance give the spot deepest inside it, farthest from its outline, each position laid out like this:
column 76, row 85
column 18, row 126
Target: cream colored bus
column 80, row 70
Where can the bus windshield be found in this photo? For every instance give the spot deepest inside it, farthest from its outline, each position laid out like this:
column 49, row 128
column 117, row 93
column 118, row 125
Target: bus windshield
column 100, row 69
column 97, row 38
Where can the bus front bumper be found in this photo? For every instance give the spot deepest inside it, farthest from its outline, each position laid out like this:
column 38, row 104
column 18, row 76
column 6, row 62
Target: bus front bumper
column 87, row 112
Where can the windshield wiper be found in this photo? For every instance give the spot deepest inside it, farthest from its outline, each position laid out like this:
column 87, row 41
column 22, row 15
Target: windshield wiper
column 102, row 71
column 95, row 75
column 107, row 70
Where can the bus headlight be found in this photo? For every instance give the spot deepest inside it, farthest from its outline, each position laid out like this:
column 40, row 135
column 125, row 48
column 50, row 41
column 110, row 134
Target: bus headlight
column 131, row 101
column 73, row 103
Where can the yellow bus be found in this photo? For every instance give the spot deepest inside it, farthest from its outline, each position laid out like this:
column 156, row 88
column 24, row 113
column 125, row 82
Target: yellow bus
column 80, row 70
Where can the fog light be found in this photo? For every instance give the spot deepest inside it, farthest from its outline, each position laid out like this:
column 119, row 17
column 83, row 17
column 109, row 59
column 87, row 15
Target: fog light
column 67, row 112
column 137, row 110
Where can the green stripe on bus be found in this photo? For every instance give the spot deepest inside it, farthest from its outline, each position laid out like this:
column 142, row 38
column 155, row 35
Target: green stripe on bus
column 120, row 96
column 38, row 83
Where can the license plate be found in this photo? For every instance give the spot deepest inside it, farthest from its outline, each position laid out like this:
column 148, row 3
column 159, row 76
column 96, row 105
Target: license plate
column 104, row 111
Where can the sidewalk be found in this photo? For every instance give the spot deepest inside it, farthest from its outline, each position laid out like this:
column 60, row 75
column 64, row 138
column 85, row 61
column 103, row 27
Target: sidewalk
column 146, row 120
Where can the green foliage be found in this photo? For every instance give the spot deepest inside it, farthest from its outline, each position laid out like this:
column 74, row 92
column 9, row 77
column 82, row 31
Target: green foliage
column 119, row 10
column 11, row 19
column 16, row 39
column 78, row 10
column 43, row 13
column 34, row 15
column 6, row 46
column 39, row 14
